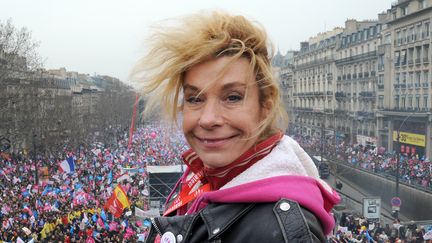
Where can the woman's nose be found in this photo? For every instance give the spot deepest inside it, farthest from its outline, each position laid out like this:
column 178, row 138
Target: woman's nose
column 210, row 115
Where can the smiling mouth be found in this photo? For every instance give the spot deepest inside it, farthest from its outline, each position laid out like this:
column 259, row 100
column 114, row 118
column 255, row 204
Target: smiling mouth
column 215, row 142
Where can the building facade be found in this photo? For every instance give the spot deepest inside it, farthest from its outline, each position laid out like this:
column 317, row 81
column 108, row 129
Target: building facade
column 367, row 83
column 356, row 81
column 314, row 85
column 404, row 92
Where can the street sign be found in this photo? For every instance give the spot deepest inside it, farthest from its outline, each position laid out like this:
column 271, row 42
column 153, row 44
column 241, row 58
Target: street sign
column 396, row 202
column 372, row 207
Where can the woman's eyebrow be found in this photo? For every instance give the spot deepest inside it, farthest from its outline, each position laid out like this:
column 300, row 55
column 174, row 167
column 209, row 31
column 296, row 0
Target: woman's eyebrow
column 188, row 87
column 236, row 84
column 231, row 85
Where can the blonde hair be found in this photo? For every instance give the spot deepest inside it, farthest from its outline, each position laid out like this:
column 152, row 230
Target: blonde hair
column 175, row 49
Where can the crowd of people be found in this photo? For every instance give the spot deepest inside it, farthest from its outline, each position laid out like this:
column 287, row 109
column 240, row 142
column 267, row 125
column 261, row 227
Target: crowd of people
column 69, row 206
column 413, row 169
column 356, row 229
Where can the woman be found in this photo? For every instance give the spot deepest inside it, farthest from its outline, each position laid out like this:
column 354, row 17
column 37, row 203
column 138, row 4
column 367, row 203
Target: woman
column 246, row 181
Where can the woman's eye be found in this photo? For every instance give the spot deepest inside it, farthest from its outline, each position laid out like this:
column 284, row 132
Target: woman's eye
column 193, row 100
column 234, row 98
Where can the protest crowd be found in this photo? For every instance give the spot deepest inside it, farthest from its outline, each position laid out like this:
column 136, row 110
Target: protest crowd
column 90, row 194
column 414, row 170
column 71, row 201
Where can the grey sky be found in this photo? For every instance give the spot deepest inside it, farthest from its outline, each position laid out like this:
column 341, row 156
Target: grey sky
column 105, row 36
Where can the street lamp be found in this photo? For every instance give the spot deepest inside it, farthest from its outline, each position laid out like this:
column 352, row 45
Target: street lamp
column 398, row 160
column 35, row 159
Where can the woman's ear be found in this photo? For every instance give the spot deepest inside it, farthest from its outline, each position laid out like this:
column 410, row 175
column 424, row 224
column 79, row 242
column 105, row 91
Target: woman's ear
column 267, row 108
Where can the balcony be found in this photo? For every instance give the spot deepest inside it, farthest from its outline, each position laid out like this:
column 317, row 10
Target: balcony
column 380, row 67
column 329, row 92
column 425, row 85
column 417, row 85
column 380, row 86
column 365, row 114
column 339, row 78
column 349, row 76
column 403, row 86
column 410, row 62
column 373, row 73
column 367, row 94
column 397, row 64
column 417, row 61
column 340, row 95
column 340, row 111
column 425, row 60
column 410, row 86
column 354, row 76
column 366, row 74
column 360, row 75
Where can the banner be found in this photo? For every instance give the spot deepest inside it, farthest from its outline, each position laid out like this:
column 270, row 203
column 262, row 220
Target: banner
column 410, row 138
column 153, row 212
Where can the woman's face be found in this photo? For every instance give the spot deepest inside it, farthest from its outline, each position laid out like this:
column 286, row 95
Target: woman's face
column 218, row 119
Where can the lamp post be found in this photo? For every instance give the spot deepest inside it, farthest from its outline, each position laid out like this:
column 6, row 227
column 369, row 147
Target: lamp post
column 35, row 159
column 398, row 160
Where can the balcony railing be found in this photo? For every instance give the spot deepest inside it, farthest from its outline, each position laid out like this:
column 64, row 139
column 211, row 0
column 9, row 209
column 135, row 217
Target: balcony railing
column 417, row 61
column 425, row 85
column 425, row 60
column 367, row 94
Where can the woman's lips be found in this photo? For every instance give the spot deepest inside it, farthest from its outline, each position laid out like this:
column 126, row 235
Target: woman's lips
column 214, row 142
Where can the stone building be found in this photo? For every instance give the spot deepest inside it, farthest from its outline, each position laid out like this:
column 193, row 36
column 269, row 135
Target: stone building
column 314, row 85
column 45, row 111
column 404, row 80
column 368, row 82
column 356, row 81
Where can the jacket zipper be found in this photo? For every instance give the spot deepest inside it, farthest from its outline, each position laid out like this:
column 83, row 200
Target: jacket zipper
column 153, row 221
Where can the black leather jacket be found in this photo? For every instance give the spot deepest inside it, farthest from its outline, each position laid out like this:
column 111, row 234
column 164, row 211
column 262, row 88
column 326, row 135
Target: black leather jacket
column 284, row 221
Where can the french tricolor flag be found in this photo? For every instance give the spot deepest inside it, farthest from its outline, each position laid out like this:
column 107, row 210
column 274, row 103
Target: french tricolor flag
column 67, row 165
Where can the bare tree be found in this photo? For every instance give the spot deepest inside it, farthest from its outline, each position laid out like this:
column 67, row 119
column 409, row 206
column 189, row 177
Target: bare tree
column 18, row 51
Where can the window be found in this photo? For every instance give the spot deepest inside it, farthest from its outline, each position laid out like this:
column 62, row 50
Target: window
column 422, row 4
column 398, row 38
column 418, row 32
column 426, row 76
column 397, row 58
column 404, row 10
column 403, row 57
column 417, row 78
column 410, row 77
column 381, row 101
column 381, row 79
column 387, row 39
column 426, row 30
column 417, row 102
column 425, row 101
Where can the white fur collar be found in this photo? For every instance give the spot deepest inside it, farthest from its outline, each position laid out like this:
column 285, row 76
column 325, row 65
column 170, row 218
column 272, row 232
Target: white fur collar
column 286, row 158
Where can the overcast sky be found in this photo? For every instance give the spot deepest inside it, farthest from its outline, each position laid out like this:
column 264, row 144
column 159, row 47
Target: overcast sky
column 106, row 36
